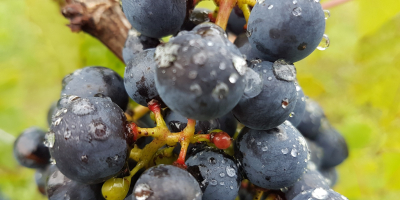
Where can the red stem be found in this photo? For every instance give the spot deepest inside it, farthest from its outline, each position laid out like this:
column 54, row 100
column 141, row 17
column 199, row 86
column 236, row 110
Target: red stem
column 333, row 3
column 225, row 9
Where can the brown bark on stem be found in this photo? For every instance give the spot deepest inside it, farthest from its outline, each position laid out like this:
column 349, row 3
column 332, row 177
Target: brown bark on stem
column 103, row 19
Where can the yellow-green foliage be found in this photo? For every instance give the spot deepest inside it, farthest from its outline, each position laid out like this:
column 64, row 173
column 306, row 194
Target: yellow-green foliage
column 357, row 82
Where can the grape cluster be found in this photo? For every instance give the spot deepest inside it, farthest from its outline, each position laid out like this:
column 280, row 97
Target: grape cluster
column 228, row 120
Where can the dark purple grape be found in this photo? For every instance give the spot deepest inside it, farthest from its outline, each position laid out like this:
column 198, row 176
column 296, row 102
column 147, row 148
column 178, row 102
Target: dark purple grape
column 156, row 18
column 29, row 149
column 274, row 158
column 136, row 43
column 312, row 179
column 241, row 40
column 269, row 96
column 89, row 139
column 200, row 73
column 331, row 175
column 299, row 109
column 52, row 110
column 316, row 153
column 139, row 78
column 61, row 187
column 166, row 182
column 334, row 146
column 89, row 81
column 197, row 16
column 236, row 22
column 312, row 119
column 281, row 29
column 216, row 172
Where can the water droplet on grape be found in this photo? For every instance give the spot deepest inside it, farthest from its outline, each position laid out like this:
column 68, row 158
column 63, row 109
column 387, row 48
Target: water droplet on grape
column 296, row 11
column 265, row 148
column 284, row 71
column 49, row 139
column 200, row 58
column 327, row 14
column 270, row 7
column 285, row 151
column 233, row 78
column 320, row 193
column 213, row 182
column 324, row 44
column 230, row 171
column 254, row 83
column 192, row 74
column 294, row 152
column 285, row 103
column 220, row 91
column 196, row 89
column 83, row 107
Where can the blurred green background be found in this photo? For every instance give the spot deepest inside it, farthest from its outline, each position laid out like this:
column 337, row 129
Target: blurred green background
column 357, row 82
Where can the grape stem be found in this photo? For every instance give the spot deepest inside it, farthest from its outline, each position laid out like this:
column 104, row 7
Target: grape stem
column 258, row 195
column 333, row 3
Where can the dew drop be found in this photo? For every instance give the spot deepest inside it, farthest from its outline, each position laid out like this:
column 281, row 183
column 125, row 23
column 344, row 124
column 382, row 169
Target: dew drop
column 285, row 103
column 285, row 151
column 49, row 139
column 212, row 160
column 222, row 66
column 233, row 78
column 220, row 91
column 270, row 7
column 196, row 89
column 327, row 14
column 324, row 44
column 240, row 64
column 294, row 2
column 265, row 148
column 258, row 143
column 230, row 171
column 221, row 174
column 261, row 1
column 143, row 191
column 221, row 183
column 291, row 114
column 294, row 152
column 231, row 187
column 284, row 71
column 200, row 58
column 270, row 78
column 192, row 74
column 213, row 182
column 83, row 107
column 67, row 134
column 316, row 1
column 254, row 83
column 320, row 193
column 57, row 121
column 53, row 161
column 296, row 11
column 84, row 158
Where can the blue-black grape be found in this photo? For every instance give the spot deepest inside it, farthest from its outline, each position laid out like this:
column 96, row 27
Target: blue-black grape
column 61, row 187
column 156, row 18
column 269, row 96
column 241, row 40
column 136, row 43
column 281, row 29
column 200, row 73
column 334, row 146
column 331, row 175
column 139, row 78
column 41, row 177
column 274, row 158
column 320, row 194
column 299, row 109
column 312, row 179
column 216, row 172
column 312, row 119
column 89, row 81
column 166, row 182
column 29, row 149
column 89, row 139
column 316, row 153
column 177, row 123
column 236, row 21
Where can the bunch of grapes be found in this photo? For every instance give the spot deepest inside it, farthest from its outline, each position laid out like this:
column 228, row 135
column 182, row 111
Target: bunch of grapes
column 228, row 121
